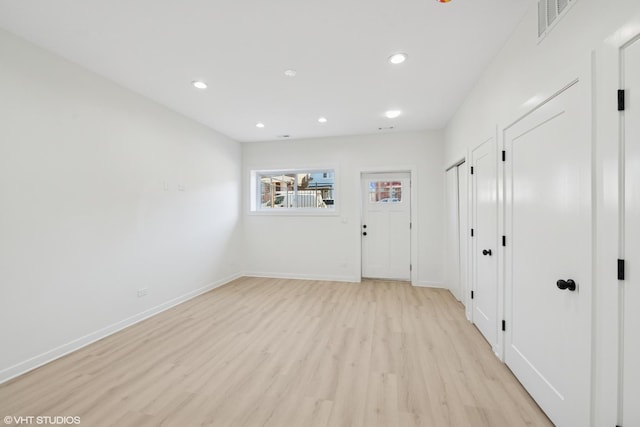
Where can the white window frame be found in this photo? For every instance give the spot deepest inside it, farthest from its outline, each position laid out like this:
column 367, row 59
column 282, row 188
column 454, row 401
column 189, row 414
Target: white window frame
column 255, row 206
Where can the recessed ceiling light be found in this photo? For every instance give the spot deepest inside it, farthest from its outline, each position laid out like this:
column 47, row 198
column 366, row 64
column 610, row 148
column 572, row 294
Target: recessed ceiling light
column 392, row 114
column 199, row 84
column 398, row 58
column 322, row 120
column 260, row 125
column 290, row 73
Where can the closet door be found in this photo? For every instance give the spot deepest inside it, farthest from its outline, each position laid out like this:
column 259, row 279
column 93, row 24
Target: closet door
column 484, row 243
column 548, row 254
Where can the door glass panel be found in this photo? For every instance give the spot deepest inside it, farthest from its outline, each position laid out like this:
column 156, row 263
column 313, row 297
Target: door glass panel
column 385, row 191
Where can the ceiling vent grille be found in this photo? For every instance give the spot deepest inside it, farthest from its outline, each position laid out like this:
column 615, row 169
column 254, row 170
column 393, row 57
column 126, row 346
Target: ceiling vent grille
column 549, row 14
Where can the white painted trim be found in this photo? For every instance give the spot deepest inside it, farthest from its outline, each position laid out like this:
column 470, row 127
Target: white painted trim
column 427, row 284
column 323, row 277
column 501, row 180
column 321, row 212
column 468, row 302
column 58, row 352
column 623, row 166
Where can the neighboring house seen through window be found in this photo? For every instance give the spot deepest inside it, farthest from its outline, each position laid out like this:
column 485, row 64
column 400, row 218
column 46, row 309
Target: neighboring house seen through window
column 297, row 189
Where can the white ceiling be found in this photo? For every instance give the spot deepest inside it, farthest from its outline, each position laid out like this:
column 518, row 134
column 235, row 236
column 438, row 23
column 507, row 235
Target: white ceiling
column 241, row 48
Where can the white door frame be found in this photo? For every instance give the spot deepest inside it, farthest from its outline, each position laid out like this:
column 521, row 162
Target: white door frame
column 413, row 172
column 463, row 190
column 624, row 286
column 607, row 349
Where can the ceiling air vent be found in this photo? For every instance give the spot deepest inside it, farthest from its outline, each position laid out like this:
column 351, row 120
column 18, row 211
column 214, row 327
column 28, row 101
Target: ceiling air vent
column 562, row 5
column 549, row 14
column 552, row 11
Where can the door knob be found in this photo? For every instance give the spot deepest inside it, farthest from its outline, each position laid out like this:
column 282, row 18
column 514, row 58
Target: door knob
column 486, row 252
column 364, row 226
column 566, row 284
column 364, row 233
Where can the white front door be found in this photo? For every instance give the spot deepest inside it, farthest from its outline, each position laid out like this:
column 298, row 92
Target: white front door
column 548, row 252
column 484, row 241
column 631, row 284
column 386, row 226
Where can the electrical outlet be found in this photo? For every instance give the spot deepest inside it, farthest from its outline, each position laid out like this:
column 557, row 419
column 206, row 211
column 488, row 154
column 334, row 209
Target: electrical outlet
column 142, row 292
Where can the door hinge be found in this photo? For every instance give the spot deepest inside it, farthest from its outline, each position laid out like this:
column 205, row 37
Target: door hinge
column 471, row 170
column 620, row 269
column 410, row 226
column 471, row 294
column 504, row 156
column 621, row 100
column 504, row 325
column 410, row 267
column 472, row 232
column 504, row 240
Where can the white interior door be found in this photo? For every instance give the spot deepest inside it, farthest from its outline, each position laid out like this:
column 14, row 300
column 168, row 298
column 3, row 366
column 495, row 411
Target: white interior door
column 386, row 226
column 631, row 290
column 453, row 233
column 548, row 227
column 484, row 241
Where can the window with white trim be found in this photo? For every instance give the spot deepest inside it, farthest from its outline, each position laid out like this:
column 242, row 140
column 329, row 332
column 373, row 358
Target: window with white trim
column 293, row 190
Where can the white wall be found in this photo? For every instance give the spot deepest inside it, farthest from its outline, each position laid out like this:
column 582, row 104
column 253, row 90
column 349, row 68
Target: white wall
column 325, row 247
column 85, row 218
column 527, row 72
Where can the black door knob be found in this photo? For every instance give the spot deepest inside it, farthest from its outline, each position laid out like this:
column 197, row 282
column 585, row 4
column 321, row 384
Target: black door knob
column 566, row 284
column 486, row 252
column 364, row 233
column 364, row 226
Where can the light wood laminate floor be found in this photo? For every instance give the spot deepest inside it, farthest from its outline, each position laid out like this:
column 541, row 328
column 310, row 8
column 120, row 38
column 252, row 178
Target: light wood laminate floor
column 271, row 352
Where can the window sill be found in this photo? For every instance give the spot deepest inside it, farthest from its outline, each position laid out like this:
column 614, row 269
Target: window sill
column 296, row 212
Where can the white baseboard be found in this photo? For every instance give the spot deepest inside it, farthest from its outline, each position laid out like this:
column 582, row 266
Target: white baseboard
column 427, row 284
column 56, row 353
column 328, row 278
